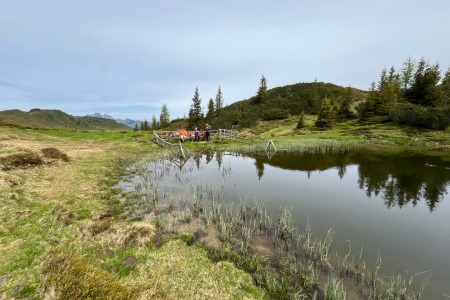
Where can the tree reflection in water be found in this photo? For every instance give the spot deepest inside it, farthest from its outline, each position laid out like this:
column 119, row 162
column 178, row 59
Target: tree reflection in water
column 399, row 179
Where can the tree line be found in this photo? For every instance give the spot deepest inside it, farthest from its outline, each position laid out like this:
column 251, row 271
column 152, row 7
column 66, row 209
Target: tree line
column 416, row 94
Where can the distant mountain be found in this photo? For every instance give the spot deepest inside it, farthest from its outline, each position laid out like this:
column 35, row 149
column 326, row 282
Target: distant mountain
column 128, row 122
column 53, row 119
column 103, row 116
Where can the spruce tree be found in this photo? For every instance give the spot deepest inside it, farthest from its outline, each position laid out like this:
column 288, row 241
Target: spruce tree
column 407, row 73
column 424, row 89
column 195, row 112
column 154, row 123
column 164, row 117
column 144, row 125
column 211, row 108
column 326, row 115
column 135, row 127
column 301, row 121
column 262, row 90
column 344, row 109
column 219, row 100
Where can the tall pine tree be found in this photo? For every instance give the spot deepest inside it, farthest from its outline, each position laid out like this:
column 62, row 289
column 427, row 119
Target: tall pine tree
column 211, row 108
column 195, row 112
column 262, row 90
column 164, row 117
column 154, row 123
column 219, row 100
column 407, row 73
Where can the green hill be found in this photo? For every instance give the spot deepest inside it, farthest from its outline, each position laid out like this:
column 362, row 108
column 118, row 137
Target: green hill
column 281, row 102
column 52, row 119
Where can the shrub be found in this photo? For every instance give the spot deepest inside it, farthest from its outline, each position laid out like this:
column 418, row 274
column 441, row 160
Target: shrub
column 420, row 116
column 274, row 114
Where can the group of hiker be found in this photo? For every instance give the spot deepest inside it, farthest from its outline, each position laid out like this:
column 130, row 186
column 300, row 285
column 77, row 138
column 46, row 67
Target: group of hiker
column 193, row 135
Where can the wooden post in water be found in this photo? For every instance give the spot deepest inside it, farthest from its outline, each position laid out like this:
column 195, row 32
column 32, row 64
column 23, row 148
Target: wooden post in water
column 181, row 150
column 269, row 144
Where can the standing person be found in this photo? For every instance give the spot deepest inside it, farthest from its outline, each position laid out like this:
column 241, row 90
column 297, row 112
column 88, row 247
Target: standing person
column 196, row 135
column 208, row 128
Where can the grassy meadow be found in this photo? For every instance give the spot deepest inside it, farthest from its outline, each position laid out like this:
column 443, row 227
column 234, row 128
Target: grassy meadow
column 63, row 235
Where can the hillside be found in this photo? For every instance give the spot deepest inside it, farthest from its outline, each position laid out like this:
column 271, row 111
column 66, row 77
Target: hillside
column 280, row 102
column 52, row 119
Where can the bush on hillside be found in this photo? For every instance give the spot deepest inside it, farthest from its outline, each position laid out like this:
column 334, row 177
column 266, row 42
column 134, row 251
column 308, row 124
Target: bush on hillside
column 274, row 114
column 421, row 116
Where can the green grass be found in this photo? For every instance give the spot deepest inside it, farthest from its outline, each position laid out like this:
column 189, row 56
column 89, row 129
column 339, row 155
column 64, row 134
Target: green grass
column 45, row 209
column 59, row 209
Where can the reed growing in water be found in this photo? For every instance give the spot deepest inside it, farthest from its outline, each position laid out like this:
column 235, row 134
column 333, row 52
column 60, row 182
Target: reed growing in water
column 287, row 262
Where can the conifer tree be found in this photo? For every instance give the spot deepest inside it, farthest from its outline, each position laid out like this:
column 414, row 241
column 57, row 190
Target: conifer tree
column 301, row 121
column 407, row 73
column 135, row 127
column 154, row 123
column 262, row 90
column 219, row 100
column 344, row 109
column 144, row 125
column 424, row 89
column 211, row 107
column 164, row 117
column 326, row 115
column 195, row 112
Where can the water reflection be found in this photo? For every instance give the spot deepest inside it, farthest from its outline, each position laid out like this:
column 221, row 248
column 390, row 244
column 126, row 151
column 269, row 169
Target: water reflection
column 398, row 179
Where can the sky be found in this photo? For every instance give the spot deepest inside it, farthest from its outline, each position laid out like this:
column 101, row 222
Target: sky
column 128, row 58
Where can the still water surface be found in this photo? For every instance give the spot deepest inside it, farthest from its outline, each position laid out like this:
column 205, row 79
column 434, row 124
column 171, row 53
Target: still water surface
column 396, row 206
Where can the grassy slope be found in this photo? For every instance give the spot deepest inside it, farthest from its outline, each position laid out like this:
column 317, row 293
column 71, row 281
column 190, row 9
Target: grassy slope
column 56, row 119
column 56, row 210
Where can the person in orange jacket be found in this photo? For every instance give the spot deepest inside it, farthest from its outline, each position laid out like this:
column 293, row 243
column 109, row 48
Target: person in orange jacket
column 183, row 134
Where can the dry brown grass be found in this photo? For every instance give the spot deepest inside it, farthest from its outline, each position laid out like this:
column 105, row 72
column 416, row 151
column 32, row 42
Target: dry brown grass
column 21, row 160
column 110, row 232
column 55, row 154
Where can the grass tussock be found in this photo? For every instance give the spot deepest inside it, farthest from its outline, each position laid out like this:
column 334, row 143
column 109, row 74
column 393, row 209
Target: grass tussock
column 178, row 271
column 63, row 215
column 21, row 160
column 7, row 137
column 55, row 154
column 110, row 231
column 68, row 276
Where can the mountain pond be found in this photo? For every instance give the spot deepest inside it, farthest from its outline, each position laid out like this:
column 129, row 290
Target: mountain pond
column 393, row 206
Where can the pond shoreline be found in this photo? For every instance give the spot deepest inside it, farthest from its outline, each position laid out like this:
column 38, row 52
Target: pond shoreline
column 235, row 233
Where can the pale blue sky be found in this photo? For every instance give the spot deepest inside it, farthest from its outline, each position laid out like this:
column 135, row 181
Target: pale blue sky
column 127, row 58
